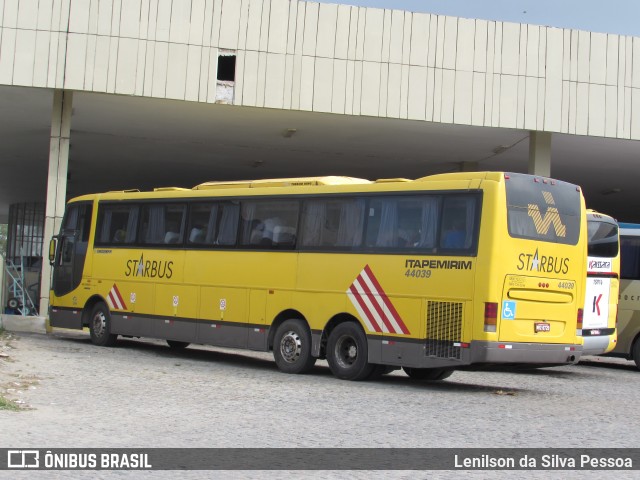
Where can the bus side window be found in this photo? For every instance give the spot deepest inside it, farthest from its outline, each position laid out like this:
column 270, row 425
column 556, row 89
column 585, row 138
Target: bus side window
column 202, row 224
column 333, row 223
column 163, row 223
column 228, row 224
column 213, row 224
column 458, row 219
column 270, row 224
column 630, row 258
column 117, row 224
column 403, row 222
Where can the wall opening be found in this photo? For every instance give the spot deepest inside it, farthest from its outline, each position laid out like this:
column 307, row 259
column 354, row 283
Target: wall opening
column 226, row 76
column 227, row 68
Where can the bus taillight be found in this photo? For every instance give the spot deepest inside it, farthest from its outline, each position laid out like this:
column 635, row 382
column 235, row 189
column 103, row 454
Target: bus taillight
column 579, row 323
column 490, row 316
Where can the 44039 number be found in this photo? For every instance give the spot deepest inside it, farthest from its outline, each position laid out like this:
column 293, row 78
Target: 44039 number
column 417, row 273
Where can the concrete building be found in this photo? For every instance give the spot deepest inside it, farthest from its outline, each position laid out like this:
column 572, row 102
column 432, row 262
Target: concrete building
column 114, row 94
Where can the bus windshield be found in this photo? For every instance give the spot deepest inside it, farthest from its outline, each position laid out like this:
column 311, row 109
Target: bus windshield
column 602, row 239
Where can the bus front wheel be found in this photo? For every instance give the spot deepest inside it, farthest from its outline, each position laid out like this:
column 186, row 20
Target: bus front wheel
column 428, row 373
column 292, row 347
column 100, row 326
column 347, row 352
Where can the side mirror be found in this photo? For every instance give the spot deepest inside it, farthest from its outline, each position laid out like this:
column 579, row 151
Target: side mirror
column 53, row 244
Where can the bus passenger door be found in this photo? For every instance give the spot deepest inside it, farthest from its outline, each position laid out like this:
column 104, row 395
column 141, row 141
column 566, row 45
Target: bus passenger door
column 72, row 250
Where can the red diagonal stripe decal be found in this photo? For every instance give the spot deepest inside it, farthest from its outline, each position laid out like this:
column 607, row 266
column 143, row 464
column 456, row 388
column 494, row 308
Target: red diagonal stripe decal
column 121, row 300
column 386, row 300
column 373, row 304
column 361, row 281
column 365, row 308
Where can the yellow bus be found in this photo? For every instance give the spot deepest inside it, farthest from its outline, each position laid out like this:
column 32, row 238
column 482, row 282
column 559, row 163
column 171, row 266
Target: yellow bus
column 428, row 275
column 628, row 345
column 603, row 284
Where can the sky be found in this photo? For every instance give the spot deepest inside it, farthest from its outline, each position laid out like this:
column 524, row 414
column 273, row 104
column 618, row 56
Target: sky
column 607, row 16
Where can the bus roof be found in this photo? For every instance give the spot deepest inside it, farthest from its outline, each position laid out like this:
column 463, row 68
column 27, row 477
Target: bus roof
column 339, row 182
column 594, row 214
column 495, row 176
column 283, row 182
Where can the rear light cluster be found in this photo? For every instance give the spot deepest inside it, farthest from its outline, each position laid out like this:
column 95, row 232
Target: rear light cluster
column 544, row 180
column 490, row 316
column 579, row 322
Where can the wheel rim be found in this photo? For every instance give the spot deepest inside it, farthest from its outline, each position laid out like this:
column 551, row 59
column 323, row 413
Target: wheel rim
column 290, row 347
column 346, row 351
column 99, row 324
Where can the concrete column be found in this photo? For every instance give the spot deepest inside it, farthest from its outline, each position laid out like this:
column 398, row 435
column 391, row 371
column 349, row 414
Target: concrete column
column 540, row 153
column 56, row 184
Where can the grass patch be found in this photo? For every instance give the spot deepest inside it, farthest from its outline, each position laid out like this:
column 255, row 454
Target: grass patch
column 6, row 404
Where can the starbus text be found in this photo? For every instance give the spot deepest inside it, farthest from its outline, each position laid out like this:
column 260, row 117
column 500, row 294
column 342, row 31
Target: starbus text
column 149, row 268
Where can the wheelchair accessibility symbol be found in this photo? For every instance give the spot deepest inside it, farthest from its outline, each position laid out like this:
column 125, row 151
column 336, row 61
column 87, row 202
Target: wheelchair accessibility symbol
column 508, row 310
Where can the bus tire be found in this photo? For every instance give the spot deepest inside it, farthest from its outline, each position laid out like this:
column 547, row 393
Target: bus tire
column 428, row 373
column 177, row 345
column 100, row 326
column 635, row 352
column 347, row 352
column 292, row 347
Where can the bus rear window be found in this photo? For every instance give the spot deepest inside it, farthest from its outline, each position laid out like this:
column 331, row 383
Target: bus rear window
column 548, row 212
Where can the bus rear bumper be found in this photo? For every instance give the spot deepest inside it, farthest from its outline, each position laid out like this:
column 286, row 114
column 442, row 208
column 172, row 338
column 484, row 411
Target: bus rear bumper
column 597, row 345
column 524, row 353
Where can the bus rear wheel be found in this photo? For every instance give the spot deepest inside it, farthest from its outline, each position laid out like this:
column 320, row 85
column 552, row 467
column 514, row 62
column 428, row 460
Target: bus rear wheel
column 347, row 352
column 428, row 373
column 292, row 347
column 100, row 326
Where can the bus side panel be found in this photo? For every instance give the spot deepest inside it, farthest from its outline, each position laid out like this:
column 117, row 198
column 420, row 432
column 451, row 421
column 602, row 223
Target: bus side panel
column 242, row 293
column 400, row 301
column 628, row 316
column 226, row 310
column 139, row 301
